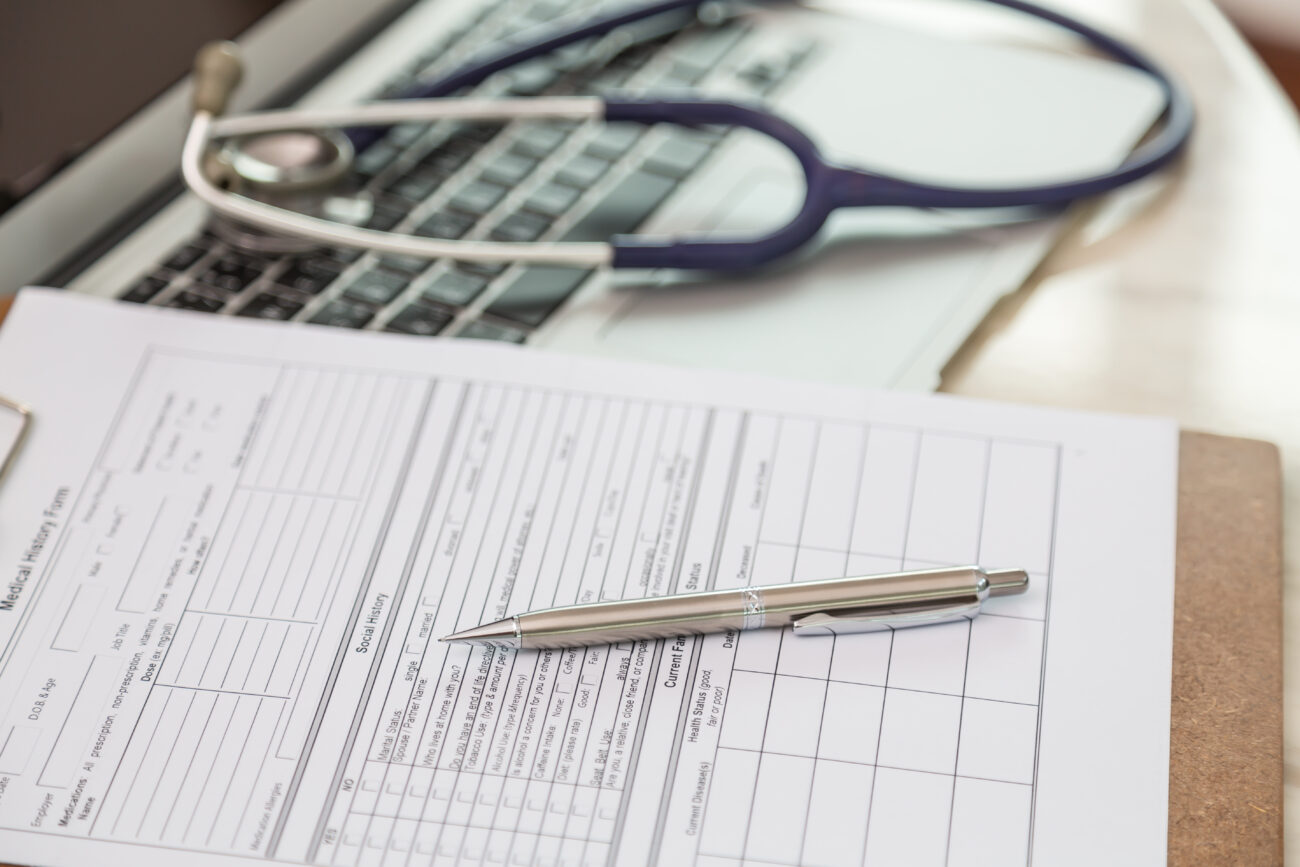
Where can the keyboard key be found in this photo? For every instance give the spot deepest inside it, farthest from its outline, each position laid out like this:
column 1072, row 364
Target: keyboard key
column 551, row 200
column 678, row 77
column 310, row 276
column 409, row 265
column 545, row 10
column 403, row 135
column 184, row 257
column 533, row 77
column 478, row 197
column 420, row 319
column 195, row 301
column 576, row 56
column 345, row 314
column 509, row 168
column 638, row 55
column 541, row 140
column 387, row 214
column 624, row 207
column 535, row 292
column 270, row 306
column 347, row 255
column 455, row 288
column 444, row 224
column 377, row 287
column 605, row 81
column 487, row 269
column 447, row 157
column 231, row 273
column 482, row 133
column 615, row 140
column 678, row 156
column 375, row 158
column 708, row 47
column 480, row 330
column 582, row 171
column 145, row 289
column 416, row 185
column 523, row 227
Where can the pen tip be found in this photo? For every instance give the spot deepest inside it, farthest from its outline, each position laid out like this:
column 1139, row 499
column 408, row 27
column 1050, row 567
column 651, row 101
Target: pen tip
column 500, row 634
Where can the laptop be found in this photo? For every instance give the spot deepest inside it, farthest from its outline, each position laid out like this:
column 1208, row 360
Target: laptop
column 882, row 297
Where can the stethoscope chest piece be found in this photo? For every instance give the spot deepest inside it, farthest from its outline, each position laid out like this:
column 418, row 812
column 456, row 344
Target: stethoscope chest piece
column 292, row 161
column 302, row 170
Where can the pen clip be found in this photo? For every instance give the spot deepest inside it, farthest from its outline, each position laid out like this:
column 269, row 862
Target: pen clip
column 877, row 619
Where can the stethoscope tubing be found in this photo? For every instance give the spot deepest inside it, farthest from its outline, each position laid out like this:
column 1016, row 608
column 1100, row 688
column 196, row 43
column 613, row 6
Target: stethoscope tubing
column 828, row 186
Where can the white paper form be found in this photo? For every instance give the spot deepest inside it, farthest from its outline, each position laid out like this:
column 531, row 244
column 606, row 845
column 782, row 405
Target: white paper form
column 231, row 548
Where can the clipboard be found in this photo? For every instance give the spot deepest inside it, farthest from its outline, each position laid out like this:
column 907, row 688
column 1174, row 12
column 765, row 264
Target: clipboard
column 1225, row 751
column 1225, row 763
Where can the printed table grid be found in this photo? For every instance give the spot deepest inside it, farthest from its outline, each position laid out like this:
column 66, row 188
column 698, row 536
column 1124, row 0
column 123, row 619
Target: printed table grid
column 803, row 537
column 946, row 752
column 655, row 433
column 259, row 639
column 620, row 475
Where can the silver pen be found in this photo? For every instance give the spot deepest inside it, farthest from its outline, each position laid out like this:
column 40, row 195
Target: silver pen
column 837, row 605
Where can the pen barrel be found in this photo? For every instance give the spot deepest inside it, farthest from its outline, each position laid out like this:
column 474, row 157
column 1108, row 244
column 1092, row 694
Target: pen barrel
column 749, row 608
column 615, row 622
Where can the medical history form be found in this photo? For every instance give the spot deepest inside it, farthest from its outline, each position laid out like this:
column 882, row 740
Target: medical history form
column 229, row 549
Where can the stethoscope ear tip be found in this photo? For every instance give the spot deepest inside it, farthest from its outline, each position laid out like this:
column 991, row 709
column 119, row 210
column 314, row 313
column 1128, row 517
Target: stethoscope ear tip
column 218, row 69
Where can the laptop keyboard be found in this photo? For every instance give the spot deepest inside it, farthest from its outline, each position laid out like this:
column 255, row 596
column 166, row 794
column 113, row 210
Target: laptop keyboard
column 525, row 181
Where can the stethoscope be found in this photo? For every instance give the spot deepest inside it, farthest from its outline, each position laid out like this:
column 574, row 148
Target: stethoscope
column 270, row 162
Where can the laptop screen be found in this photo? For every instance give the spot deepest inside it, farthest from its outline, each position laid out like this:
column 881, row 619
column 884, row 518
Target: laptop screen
column 72, row 71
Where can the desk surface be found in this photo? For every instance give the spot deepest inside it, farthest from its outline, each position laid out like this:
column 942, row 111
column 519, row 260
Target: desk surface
column 1180, row 299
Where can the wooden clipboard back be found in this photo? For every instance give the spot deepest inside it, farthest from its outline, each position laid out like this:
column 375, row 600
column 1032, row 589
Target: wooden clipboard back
column 1225, row 751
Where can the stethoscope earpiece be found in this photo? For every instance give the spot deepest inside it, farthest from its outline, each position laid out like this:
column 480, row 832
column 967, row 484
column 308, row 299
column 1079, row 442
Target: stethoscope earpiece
column 218, row 69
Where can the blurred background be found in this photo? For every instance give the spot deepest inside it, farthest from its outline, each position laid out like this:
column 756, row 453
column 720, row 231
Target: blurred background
column 64, row 83
column 1273, row 28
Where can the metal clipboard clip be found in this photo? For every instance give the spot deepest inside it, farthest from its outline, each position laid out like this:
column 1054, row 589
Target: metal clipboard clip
column 24, row 414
